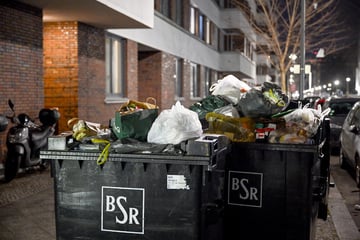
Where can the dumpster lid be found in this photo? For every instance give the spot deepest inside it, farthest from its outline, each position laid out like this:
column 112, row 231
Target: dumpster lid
column 121, row 157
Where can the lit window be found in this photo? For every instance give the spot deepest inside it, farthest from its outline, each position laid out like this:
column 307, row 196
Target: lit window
column 208, row 32
column 115, row 67
column 201, row 27
column 192, row 20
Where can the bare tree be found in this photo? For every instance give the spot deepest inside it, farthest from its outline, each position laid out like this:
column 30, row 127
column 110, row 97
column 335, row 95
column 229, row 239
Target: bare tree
column 278, row 29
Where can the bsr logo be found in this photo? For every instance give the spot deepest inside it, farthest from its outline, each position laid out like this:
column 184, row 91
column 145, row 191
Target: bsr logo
column 130, row 216
column 246, row 191
column 245, row 188
column 123, row 210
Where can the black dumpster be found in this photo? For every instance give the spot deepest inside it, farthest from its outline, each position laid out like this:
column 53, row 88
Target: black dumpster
column 275, row 191
column 138, row 196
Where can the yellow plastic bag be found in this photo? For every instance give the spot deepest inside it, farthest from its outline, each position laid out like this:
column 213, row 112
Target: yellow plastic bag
column 236, row 129
column 81, row 128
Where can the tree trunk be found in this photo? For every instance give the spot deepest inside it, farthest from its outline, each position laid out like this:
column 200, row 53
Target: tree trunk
column 283, row 80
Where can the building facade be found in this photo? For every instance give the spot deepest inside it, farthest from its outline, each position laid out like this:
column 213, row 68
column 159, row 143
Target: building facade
column 89, row 57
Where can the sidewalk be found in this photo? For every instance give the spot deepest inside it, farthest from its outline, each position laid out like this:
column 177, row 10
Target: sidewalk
column 28, row 213
column 27, row 208
column 345, row 226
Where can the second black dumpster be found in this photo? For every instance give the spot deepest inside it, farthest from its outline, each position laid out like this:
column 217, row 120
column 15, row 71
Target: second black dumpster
column 272, row 191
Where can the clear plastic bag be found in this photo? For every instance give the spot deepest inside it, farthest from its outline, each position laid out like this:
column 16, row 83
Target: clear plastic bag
column 301, row 126
column 228, row 110
column 229, row 87
column 306, row 119
column 175, row 125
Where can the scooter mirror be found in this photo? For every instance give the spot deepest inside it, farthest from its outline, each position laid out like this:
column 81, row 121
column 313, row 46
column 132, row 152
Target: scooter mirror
column 11, row 104
column 3, row 123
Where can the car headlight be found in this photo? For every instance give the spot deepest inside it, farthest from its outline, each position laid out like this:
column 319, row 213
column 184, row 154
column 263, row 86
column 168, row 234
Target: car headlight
column 333, row 125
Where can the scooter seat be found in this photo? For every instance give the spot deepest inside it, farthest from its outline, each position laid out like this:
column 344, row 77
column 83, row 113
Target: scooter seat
column 38, row 135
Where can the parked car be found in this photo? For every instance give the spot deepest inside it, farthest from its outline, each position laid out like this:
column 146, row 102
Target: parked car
column 340, row 107
column 350, row 142
column 311, row 100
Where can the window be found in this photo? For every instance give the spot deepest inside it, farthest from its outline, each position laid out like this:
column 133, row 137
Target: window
column 248, row 48
column 228, row 4
column 356, row 118
column 198, row 23
column 225, row 3
column 201, row 26
column 165, row 8
column 195, row 80
column 172, row 9
column 115, row 66
column 214, row 36
column 193, row 13
column 208, row 30
column 179, row 13
column 208, row 81
column 262, row 70
column 179, row 89
column 234, row 40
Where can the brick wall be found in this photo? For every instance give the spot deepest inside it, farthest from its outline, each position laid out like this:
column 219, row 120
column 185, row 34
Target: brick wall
column 157, row 79
column 92, row 84
column 74, row 72
column 132, row 67
column 92, row 75
column 21, row 72
column 150, row 64
column 168, row 80
column 187, row 84
column 61, row 69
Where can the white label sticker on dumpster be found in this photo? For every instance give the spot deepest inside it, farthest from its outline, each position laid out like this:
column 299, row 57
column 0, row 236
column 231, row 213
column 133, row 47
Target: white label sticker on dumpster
column 245, row 188
column 122, row 209
column 177, row 182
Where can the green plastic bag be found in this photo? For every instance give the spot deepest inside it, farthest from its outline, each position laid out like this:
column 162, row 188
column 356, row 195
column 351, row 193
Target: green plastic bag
column 208, row 104
column 134, row 125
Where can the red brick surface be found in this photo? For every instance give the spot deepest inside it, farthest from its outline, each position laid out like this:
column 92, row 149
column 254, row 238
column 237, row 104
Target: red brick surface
column 62, row 64
column 21, row 72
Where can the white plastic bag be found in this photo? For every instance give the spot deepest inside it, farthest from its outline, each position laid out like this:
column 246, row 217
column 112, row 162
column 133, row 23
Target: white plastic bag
column 306, row 118
column 230, row 87
column 175, row 125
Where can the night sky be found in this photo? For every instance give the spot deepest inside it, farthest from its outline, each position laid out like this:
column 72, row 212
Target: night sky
column 343, row 64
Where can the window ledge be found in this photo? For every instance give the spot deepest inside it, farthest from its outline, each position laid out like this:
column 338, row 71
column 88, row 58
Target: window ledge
column 115, row 100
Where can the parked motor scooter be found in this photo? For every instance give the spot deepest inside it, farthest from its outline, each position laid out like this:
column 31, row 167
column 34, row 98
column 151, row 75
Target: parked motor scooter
column 3, row 123
column 25, row 140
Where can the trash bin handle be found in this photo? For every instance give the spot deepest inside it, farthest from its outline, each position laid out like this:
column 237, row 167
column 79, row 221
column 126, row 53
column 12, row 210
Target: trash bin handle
column 213, row 162
column 321, row 154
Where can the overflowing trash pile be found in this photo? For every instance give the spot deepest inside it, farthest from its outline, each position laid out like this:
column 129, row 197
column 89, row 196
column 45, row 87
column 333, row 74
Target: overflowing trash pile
column 234, row 109
column 257, row 114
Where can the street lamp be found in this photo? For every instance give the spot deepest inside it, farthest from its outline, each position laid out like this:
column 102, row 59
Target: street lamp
column 347, row 86
column 329, row 87
column 302, row 48
column 336, row 83
column 293, row 57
